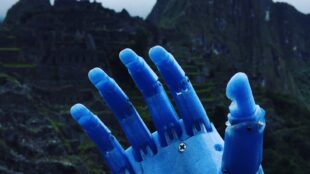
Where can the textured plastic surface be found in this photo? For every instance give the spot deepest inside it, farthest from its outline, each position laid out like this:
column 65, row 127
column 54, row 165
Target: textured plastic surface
column 190, row 145
column 244, row 132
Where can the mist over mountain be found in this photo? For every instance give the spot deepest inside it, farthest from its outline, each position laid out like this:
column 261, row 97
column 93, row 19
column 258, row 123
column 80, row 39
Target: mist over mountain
column 46, row 52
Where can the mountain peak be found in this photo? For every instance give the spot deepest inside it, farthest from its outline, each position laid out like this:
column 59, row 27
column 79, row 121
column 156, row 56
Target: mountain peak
column 23, row 7
column 260, row 38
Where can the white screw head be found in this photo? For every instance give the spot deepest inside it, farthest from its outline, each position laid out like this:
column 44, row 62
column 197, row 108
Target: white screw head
column 182, row 147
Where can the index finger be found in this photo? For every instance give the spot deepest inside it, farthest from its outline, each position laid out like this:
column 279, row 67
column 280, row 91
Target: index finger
column 188, row 103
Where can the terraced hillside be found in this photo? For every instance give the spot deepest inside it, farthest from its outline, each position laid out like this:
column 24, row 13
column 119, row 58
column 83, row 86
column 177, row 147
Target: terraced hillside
column 46, row 52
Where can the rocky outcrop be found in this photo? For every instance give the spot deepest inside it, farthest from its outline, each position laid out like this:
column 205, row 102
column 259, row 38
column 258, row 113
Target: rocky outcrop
column 46, row 52
column 24, row 9
column 267, row 40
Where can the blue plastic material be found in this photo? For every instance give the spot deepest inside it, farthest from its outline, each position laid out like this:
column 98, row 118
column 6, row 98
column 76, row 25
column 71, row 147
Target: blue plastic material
column 110, row 148
column 136, row 131
column 190, row 145
column 181, row 89
column 244, row 134
column 155, row 96
column 243, row 104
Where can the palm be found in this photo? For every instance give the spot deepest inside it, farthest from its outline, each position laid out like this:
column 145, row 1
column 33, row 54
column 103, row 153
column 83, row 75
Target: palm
column 182, row 146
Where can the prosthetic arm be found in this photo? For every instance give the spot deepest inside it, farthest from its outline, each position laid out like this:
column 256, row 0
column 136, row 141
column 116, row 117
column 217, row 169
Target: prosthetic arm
column 190, row 145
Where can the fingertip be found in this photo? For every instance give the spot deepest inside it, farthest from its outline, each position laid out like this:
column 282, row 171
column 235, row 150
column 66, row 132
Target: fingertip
column 239, row 91
column 78, row 111
column 96, row 75
column 127, row 56
column 239, row 82
column 158, row 54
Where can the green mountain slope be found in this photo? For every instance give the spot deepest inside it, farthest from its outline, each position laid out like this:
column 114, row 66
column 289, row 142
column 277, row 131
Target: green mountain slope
column 46, row 52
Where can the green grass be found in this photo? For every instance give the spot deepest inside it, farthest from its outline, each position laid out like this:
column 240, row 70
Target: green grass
column 11, row 49
column 86, row 146
column 193, row 74
column 208, row 99
column 57, row 126
column 18, row 65
column 204, row 91
column 11, row 37
column 10, row 79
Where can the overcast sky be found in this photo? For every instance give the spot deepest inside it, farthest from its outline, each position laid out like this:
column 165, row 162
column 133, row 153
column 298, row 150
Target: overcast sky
column 143, row 7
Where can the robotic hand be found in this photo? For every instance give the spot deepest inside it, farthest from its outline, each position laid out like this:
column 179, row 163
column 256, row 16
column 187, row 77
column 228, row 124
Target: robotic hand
column 190, row 145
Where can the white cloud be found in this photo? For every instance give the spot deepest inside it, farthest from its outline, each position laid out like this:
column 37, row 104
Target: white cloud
column 134, row 7
column 5, row 5
column 143, row 7
column 301, row 5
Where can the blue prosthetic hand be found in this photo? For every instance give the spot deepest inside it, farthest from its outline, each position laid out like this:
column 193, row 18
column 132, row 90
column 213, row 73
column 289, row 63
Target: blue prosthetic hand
column 190, row 145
